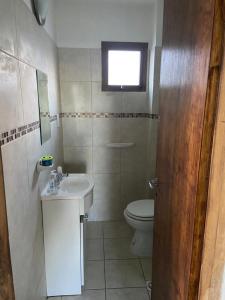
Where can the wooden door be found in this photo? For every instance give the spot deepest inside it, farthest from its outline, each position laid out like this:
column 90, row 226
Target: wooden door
column 188, row 97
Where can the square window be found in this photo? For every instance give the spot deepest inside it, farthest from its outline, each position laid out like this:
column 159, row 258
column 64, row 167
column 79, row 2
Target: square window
column 124, row 66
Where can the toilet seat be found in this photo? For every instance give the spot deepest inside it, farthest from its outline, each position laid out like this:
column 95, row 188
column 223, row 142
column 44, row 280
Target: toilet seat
column 142, row 210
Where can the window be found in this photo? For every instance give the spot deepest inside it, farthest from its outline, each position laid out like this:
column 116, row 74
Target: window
column 124, row 66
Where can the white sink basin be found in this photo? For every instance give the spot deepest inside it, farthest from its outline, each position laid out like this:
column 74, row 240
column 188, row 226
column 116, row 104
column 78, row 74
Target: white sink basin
column 76, row 185
column 73, row 187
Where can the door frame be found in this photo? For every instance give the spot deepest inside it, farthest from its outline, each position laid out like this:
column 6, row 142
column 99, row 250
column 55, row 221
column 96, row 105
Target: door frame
column 6, row 277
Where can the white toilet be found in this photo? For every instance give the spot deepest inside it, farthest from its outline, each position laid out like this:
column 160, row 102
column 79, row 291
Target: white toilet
column 140, row 216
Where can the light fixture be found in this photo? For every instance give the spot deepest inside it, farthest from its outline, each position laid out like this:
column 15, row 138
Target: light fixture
column 40, row 10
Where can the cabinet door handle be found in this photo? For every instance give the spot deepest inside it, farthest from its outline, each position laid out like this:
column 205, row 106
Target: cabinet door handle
column 86, row 216
column 83, row 218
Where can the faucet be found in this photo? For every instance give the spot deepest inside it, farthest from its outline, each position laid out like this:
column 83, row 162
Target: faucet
column 59, row 175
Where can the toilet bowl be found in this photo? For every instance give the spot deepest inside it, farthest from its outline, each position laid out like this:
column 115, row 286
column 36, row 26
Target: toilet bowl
column 140, row 216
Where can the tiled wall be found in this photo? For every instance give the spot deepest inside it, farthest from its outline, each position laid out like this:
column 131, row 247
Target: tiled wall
column 25, row 46
column 91, row 120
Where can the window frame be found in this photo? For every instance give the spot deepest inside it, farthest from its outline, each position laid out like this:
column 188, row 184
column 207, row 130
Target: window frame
column 126, row 46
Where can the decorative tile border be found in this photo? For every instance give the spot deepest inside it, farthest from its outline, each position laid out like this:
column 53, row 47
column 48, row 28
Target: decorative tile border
column 16, row 133
column 53, row 118
column 44, row 114
column 108, row 115
column 13, row 134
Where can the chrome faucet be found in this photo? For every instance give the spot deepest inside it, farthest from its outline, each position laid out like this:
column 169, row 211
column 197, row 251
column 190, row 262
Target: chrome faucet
column 59, row 175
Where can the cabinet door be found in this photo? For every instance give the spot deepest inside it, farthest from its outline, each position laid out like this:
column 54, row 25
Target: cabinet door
column 61, row 220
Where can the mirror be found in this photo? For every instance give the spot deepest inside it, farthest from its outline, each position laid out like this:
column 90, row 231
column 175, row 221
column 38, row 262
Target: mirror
column 44, row 115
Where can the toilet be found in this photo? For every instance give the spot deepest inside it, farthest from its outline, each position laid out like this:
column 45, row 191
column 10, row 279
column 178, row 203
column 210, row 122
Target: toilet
column 140, row 216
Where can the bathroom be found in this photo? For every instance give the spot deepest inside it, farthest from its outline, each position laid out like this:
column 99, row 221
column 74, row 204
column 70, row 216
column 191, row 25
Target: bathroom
column 83, row 121
column 74, row 143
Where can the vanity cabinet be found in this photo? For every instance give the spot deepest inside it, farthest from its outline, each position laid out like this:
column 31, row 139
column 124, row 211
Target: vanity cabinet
column 63, row 240
column 64, row 234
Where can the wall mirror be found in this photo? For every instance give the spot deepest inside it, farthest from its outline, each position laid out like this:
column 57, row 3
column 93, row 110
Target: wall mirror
column 44, row 114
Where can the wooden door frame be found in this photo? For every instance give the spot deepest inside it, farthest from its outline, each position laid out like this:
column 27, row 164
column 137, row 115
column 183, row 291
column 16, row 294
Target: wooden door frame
column 214, row 247
column 6, row 277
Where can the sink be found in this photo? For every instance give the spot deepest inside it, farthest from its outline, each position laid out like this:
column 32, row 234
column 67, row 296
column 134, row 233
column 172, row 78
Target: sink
column 76, row 184
column 73, row 187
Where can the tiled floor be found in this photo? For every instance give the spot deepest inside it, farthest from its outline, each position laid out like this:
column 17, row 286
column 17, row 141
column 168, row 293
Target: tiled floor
column 112, row 272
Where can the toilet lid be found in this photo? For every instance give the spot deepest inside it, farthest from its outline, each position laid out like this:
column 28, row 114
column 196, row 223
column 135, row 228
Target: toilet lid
column 141, row 208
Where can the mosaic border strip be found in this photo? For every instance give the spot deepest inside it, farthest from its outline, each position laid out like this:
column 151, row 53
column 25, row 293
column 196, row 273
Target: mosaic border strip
column 16, row 133
column 13, row 134
column 108, row 115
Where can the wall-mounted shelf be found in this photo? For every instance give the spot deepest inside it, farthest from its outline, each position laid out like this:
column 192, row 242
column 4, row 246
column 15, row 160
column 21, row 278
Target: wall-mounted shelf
column 120, row 145
column 41, row 168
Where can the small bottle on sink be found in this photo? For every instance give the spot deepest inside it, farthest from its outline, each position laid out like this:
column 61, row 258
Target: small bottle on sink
column 52, row 183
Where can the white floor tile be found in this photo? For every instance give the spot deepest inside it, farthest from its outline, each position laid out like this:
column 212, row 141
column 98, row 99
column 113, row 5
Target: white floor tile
column 95, row 249
column 147, row 268
column 94, row 278
column 127, row 294
column 118, row 248
column 117, row 230
column 124, row 273
column 94, row 230
column 88, row 295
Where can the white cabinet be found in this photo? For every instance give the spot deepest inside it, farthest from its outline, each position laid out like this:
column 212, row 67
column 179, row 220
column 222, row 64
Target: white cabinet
column 63, row 239
column 64, row 233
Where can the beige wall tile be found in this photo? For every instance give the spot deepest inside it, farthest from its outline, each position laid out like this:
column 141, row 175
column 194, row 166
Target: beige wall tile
column 107, row 201
column 78, row 159
column 7, row 25
column 135, row 102
column 96, row 65
column 24, row 221
column 134, row 159
column 77, row 132
column 76, row 96
column 106, row 160
column 134, row 130
column 105, row 101
column 11, row 114
column 133, row 187
column 106, row 131
column 31, row 38
column 75, row 64
column 152, row 147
